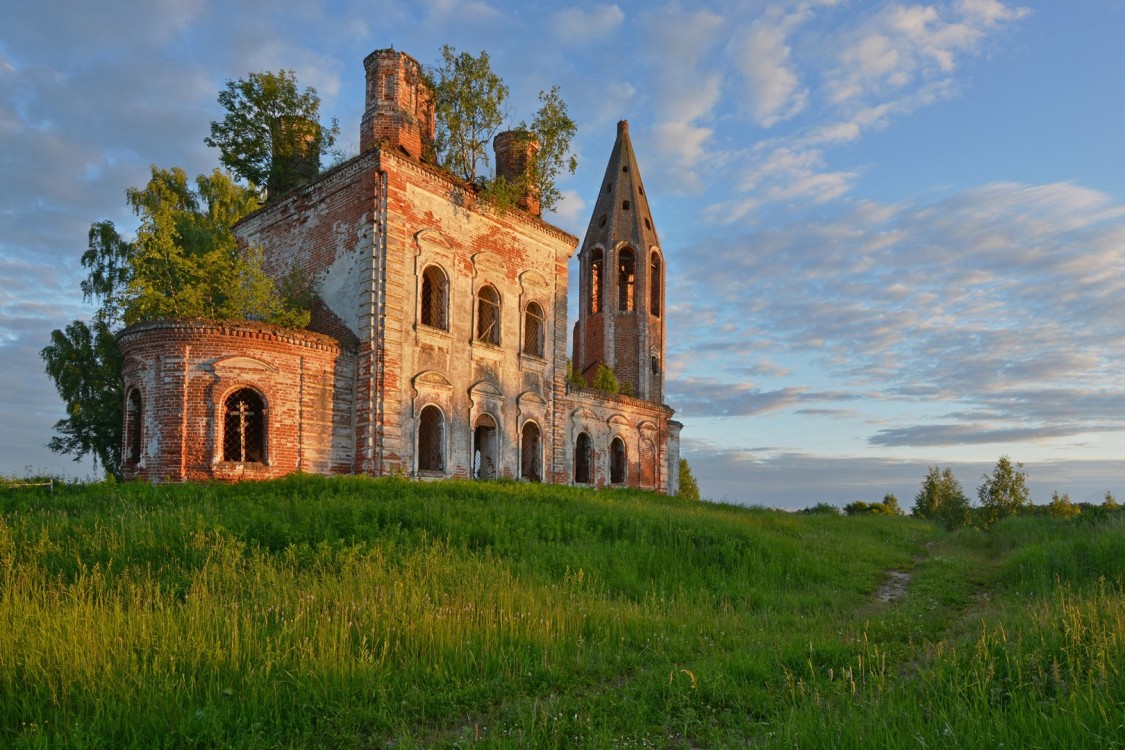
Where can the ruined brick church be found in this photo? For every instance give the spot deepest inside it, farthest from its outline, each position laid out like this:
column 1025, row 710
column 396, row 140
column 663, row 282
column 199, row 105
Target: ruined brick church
column 437, row 347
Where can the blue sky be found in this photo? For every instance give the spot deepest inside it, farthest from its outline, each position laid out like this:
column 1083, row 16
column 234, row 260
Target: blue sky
column 895, row 231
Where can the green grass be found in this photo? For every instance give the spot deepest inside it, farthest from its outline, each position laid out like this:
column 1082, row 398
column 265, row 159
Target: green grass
column 348, row 612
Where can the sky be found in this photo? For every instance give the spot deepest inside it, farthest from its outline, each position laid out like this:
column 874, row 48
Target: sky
column 894, row 231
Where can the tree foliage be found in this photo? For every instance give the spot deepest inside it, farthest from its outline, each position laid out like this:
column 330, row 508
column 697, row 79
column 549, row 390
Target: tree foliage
column 85, row 365
column 469, row 108
column 1004, row 492
column 270, row 124
column 555, row 130
column 606, row 380
column 184, row 261
column 572, row 377
column 826, row 509
column 1061, row 506
column 689, row 488
column 552, row 130
column 941, row 499
column 889, row 507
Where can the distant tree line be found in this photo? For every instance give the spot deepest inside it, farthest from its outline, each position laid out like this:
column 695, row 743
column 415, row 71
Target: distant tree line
column 1001, row 494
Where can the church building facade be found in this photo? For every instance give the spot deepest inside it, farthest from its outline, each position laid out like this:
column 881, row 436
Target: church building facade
column 438, row 343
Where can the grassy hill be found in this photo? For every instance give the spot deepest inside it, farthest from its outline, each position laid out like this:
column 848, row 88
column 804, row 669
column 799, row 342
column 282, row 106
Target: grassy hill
column 349, row 612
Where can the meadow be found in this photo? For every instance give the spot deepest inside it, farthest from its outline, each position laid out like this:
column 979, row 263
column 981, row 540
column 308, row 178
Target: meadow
column 350, row 612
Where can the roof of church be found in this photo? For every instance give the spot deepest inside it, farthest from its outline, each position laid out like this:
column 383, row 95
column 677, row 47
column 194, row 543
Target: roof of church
column 621, row 213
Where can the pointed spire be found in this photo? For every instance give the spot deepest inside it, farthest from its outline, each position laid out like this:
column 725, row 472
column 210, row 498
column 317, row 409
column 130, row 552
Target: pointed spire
column 621, row 283
column 621, row 212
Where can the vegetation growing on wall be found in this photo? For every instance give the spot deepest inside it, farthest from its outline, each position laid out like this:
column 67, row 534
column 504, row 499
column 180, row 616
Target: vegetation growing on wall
column 270, row 131
column 471, row 106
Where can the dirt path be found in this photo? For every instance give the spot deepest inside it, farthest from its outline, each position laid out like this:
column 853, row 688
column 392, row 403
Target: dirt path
column 895, row 585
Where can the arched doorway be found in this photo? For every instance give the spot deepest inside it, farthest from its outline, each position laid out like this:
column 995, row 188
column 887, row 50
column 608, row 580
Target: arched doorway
column 617, row 461
column 531, row 453
column 485, row 449
column 583, row 460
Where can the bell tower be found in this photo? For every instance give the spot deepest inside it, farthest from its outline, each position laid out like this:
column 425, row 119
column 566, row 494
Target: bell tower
column 621, row 282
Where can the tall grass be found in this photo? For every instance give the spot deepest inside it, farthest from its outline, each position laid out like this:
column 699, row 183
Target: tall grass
column 1037, row 661
column 348, row 612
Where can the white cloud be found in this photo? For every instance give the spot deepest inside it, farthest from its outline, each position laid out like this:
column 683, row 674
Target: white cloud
column 571, row 211
column 902, row 45
column 764, row 58
column 687, row 92
column 1007, row 297
column 579, row 26
column 443, row 10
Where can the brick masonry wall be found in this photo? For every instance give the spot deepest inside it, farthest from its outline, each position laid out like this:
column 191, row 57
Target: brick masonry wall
column 651, row 448
column 184, row 370
column 432, row 219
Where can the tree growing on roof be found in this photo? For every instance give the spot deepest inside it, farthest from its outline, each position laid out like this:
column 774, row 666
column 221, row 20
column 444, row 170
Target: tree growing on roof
column 470, row 107
column 271, row 135
column 184, row 262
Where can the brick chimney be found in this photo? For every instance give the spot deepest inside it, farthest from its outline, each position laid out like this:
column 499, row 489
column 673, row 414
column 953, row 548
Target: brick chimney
column 295, row 158
column 515, row 153
column 399, row 104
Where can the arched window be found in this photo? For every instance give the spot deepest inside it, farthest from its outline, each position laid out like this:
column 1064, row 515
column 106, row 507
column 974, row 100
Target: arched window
column 431, row 440
column 435, row 298
column 488, row 315
column 244, row 427
column 531, row 453
column 533, row 329
column 626, row 280
column 617, row 461
column 583, row 459
column 654, row 285
column 597, row 282
column 134, row 418
column 486, row 452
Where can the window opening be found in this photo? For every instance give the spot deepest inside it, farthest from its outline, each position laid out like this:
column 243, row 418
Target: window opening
column 617, row 461
column 485, row 452
column 431, row 440
column 626, row 280
column 531, row 453
column 602, row 220
column 625, row 205
column 597, row 283
column 608, row 185
column 648, row 463
column 488, row 316
column 582, row 459
column 655, row 365
column 435, row 298
column 133, row 420
column 533, row 327
column 244, row 427
column 654, row 285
